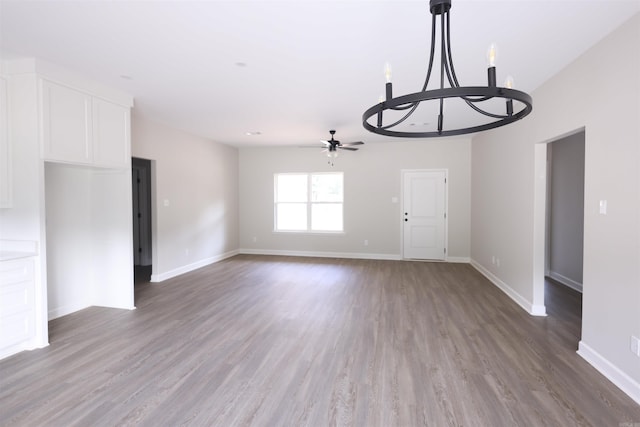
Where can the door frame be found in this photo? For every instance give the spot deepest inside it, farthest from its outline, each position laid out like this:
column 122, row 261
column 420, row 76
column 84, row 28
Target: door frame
column 540, row 221
column 446, row 210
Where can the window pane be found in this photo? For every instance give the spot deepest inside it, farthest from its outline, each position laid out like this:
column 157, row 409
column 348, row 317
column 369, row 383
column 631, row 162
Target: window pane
column 326, row 187
column 291, row 216
column 291, row 188
column 326, row 216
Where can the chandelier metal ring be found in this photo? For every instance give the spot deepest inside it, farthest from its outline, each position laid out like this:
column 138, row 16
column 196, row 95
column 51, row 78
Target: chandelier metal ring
column 401, row 102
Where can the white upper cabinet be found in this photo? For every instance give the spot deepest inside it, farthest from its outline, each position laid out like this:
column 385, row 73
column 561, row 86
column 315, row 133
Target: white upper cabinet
column 82, row 129
column 6, row 178
column 111, row 130
column 66, row 120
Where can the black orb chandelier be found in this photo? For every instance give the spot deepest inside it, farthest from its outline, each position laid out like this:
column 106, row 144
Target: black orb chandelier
column 473, row 96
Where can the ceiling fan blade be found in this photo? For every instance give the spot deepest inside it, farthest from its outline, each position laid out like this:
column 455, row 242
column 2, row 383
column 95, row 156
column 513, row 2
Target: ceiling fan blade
column 347, row 144
column 327, row 143
column 347, row 148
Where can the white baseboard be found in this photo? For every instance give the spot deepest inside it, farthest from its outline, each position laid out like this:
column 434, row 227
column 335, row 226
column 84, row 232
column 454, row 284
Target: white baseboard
column 56, row 312
column 22, row 346
column 457, row 259
column 623, row 381
column 534, row 310
column 349, row 255
column 190, row 267
column 565, row 281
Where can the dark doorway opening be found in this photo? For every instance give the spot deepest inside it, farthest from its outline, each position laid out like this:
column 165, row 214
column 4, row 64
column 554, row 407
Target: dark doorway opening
column 565, row 232
column 141, row 186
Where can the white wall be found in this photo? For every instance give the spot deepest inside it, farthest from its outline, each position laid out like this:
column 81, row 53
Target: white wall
column 372, row 177
column 566, row 209
column 111, row 238
column 69, row 255
column 198, row 178
column 89, row 232
column 600, row 91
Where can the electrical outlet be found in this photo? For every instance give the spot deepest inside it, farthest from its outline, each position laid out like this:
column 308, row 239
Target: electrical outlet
column 366, row 243
column 635, row 345
column 255, row 239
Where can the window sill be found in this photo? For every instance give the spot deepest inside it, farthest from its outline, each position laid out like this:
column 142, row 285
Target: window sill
column 321, row 233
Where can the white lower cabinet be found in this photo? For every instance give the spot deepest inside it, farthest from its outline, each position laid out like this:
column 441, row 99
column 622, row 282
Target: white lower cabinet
column 17, row 316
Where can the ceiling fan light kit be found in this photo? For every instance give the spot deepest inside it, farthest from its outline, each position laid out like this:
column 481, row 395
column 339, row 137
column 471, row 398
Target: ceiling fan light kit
column 473, row 96
column 332, row 145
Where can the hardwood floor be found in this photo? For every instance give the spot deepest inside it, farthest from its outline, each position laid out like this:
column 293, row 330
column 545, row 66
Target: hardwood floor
column 281, row 341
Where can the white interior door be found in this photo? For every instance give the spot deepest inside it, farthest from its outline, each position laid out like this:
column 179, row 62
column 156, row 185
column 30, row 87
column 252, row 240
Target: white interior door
column 424, row 214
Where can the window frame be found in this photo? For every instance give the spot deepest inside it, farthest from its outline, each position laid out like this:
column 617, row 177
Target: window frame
column 309, row 203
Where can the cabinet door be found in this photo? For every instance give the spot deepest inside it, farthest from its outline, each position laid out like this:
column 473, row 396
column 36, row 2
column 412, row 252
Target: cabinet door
column 111, row 134
column 6, row 180
column 17, row 304
column 66, row 115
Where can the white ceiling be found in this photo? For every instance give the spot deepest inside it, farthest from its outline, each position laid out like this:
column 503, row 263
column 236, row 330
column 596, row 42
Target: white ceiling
column 292, row 70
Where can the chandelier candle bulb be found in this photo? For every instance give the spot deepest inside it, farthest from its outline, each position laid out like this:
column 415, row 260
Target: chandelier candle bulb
column 387, row 76
column 387, row 72
column 492, row 54
column 508, row 82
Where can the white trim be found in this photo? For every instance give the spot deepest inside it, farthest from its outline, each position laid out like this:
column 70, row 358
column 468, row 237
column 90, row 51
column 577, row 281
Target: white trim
column 349, row 255
column 623, row 381
column 534, row 310
column 458, row 259
column 56, row 312
column 155, row 278
column 63, row 76
column 17, row 348
column 565, row 281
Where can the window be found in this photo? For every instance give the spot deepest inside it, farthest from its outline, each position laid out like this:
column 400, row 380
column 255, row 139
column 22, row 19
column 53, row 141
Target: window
column 308, row 202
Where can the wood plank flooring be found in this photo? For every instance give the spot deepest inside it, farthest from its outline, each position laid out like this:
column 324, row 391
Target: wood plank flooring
column 283, row 341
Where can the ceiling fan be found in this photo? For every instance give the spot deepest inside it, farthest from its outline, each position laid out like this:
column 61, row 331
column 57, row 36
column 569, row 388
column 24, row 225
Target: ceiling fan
column 331, row 146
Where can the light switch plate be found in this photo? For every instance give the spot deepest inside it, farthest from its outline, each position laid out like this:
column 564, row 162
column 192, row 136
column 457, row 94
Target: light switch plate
column 635, row 345
column 603, row 207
